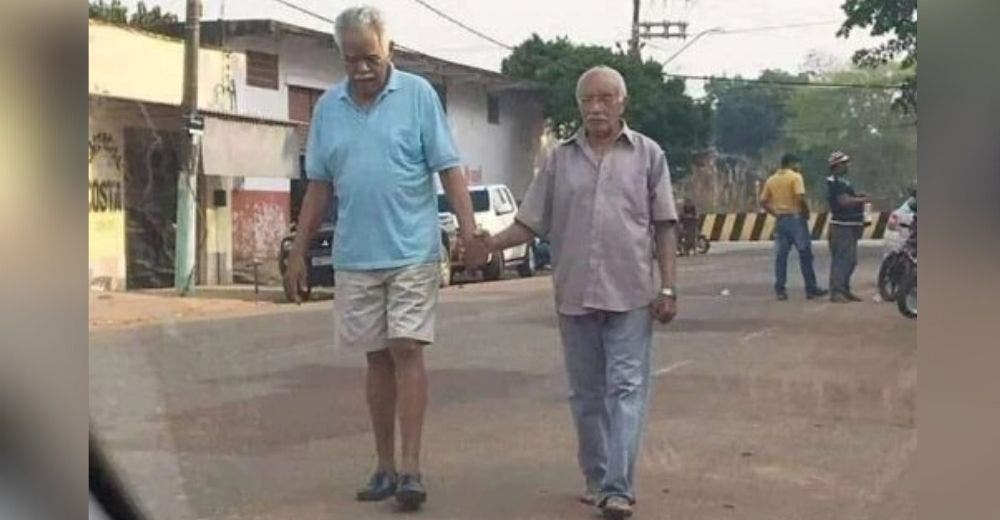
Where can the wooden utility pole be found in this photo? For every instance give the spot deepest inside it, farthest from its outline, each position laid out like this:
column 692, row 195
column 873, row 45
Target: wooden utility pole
column 633, row 42
column 186, row 242
column 648, row 30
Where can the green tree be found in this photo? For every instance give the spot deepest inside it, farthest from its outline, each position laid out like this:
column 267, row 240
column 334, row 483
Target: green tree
column 112, row 11
column 658, row 108
column 145, row 17
column 749, row 115
column 881, row 141
column 115, row 12
column 887, row 17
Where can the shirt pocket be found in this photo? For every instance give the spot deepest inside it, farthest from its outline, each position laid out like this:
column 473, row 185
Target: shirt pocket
column 634, row 191
column 405, row 145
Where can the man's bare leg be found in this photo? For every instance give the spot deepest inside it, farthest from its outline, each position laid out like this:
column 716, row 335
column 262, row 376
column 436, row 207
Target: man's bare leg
column 411, row 384
column 380, row 390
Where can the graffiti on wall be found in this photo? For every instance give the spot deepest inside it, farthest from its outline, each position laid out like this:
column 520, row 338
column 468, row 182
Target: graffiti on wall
column 104, row 191
column 104, row 143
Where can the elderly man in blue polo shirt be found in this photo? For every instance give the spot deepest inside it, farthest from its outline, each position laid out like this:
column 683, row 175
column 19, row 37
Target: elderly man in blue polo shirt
column 376, row 140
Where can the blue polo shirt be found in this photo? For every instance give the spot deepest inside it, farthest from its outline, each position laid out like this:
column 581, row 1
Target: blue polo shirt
column 381, row 162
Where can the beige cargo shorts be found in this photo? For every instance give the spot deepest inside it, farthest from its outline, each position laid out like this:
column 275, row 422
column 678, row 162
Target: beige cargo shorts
column 373, row 307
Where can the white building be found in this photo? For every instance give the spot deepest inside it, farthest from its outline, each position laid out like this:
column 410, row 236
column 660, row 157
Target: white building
column 497, row 120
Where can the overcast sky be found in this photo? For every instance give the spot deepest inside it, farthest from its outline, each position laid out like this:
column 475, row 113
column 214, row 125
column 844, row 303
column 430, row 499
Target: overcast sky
column 602, row 22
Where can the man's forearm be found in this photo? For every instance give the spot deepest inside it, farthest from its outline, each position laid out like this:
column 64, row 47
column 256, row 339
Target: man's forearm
column 666, row 251
column 315, row 206
column 515, row 235
column 456, row 188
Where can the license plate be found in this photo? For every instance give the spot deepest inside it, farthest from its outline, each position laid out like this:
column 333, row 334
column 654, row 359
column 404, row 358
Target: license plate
column 320, row 261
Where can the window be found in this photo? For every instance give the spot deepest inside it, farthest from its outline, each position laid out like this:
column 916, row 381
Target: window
column 480, row 201
column 262, row 70
column 301, row 103
column 493, row 109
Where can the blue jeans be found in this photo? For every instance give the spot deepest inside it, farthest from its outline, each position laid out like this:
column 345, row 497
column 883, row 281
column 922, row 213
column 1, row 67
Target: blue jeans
column 608, row 363
column 793, row 230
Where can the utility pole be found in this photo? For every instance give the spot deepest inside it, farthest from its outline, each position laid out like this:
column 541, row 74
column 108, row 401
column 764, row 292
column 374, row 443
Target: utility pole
column 633, row 42
column 648, row 30
column 187, row 179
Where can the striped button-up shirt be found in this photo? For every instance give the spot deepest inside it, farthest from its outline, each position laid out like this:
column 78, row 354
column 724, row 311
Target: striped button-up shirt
column 597, row 214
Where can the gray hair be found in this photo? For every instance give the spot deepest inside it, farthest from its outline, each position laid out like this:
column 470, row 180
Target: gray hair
column 603, row 70
column 361, row 18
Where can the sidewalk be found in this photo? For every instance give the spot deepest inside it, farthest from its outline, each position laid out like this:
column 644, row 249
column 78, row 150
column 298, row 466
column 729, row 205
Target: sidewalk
column 133, row 308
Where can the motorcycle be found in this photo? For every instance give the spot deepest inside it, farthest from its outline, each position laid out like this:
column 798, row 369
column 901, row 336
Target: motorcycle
column 906, row 291
column 700, row 246
column 892, row 270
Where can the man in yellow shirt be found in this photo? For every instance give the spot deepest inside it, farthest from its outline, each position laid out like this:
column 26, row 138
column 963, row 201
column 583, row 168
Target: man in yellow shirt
column 784, row 196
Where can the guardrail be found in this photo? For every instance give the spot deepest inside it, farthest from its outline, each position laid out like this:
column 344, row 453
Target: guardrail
column 733, row 227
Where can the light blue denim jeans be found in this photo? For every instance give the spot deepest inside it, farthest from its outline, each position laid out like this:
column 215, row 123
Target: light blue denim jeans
column 608, row 363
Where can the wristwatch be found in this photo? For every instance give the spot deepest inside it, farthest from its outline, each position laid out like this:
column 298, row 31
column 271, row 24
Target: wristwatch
column 668, row 292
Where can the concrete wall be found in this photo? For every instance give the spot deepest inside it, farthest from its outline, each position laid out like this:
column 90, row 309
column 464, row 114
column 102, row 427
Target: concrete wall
column 134, row 64
column 301, row 62
column 106, row 169
column 260, row 220
column 504, row 152
column 106, row 193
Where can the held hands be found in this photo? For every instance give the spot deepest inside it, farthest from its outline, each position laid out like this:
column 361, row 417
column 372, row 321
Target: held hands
column 474, row 250
column 663, row 309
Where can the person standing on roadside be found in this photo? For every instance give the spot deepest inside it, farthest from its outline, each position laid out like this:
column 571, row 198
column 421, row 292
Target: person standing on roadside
column 784, row 196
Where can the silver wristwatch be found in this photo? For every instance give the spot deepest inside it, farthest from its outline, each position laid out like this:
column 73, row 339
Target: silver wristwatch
column 668, row 292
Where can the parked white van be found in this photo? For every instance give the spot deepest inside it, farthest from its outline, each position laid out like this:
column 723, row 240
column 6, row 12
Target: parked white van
column 494, row 207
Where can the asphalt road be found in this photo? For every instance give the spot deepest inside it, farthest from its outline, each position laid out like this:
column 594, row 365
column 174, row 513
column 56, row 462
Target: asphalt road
column 761, row 409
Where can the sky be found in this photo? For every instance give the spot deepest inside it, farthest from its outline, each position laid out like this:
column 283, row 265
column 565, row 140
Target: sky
column 602, row 22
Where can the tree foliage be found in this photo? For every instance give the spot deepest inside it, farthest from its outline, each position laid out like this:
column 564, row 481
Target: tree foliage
column 659, row 109
column 114, row 12
column 749, row 115
column 882, row 142
column 887, row 17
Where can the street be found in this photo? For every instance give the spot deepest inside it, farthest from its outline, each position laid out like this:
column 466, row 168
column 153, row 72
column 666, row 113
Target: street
column 761, row 409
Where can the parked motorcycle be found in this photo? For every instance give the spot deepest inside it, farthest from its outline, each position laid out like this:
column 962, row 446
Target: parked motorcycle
column 906, row 291
column 700, row 246
column 890, row 273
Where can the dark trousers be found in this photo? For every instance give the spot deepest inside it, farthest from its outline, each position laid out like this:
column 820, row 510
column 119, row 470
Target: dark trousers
column 843, row 256
column 793, row 230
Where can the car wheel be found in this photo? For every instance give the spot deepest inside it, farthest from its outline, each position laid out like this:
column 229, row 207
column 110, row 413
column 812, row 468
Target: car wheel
column 528, row 267
column 494, row 269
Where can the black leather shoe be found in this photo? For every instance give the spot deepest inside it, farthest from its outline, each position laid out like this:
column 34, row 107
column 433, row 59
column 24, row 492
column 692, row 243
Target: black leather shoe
column 410, row 492
column 853, row 297
column 380, row 486
column 817, row 293
column 782, row 296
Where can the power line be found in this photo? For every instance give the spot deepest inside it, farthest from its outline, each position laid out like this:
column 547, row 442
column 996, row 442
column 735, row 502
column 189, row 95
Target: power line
column 788, row 83
column 306, row 11
column 446, row 16
column 776, row 27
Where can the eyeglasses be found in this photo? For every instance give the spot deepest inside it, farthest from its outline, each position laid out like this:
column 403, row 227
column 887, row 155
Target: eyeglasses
column 602, row 99
column 372, row 61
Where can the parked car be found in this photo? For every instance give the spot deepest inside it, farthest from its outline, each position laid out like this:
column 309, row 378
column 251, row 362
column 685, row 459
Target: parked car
column 494, row 209
column 319, row 259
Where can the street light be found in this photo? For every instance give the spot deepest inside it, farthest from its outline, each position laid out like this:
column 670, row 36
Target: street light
column 713, row 30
